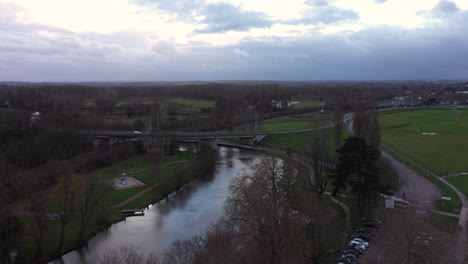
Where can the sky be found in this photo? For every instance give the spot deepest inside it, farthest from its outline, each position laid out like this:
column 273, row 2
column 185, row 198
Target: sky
column 189, row 40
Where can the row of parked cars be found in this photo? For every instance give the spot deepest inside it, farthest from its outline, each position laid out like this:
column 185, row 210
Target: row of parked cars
column 359, row 242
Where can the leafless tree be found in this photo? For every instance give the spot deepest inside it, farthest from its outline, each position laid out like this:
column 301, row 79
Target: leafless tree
column 414, row 240
column 34, row 188
column 185, row 252
column 323, row 162
column 366, row 122
column 258, row 208
column 338, row 115
column 126, row 254
column 93, row 192
column 66, row 206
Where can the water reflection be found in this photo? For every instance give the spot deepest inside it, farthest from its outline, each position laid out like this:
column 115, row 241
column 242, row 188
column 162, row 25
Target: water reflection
column 185, row 214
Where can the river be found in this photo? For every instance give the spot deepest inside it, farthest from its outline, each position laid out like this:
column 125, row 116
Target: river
column 185, row 214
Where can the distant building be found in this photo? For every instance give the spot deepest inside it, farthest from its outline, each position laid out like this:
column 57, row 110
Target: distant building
column 5, row 105
column 35, row 117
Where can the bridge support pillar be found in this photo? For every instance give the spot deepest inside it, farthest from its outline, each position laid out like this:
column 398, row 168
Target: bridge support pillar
column 247, row 140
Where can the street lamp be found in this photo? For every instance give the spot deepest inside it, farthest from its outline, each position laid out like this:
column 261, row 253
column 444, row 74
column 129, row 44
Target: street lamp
column 13, row 254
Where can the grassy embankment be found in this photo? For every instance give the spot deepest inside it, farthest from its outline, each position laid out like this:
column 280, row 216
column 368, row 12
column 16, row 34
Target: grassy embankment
column 105, row 214
column 441, row 153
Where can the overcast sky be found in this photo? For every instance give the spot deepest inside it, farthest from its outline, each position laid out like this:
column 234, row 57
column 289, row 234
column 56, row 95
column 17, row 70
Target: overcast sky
column 175, row 40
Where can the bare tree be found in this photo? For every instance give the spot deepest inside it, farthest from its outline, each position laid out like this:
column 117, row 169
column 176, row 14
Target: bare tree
column 92, row 193
column 185, row 252
column 257, row 207
column 35, row 192
column 415, row 241
column 65, row 210
column 366, row 122
column 126, row 254
column 322, row 163
column 338, row 115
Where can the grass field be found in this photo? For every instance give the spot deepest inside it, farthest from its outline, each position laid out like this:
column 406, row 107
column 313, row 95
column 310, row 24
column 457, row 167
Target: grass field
column 307, row 104
column 187, row 106
column 285, row 123
column 298, row 142
column 444, row 152
column 460, row 181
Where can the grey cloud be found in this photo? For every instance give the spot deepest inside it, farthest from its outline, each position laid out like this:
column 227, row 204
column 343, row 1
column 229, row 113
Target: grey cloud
column 316, row 2
column 182, row 7
column 436, row 51
column 380, row 1
column 442, row 9
column 446, row 7
column 323, row 15
column 164, row 48
column 222, row 17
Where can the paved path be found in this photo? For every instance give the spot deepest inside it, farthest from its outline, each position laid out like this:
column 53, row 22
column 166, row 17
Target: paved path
column 455, row 174
column 413, row 187
column 462, row 219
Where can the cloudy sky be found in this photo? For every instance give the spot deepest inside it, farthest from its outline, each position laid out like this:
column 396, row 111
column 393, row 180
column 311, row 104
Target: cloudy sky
column 173, row 40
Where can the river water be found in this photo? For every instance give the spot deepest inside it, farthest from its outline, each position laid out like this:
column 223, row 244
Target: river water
column 187, row 213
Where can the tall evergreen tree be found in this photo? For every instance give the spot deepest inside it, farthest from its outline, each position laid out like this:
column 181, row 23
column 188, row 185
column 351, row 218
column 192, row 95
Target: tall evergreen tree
column 357, row 168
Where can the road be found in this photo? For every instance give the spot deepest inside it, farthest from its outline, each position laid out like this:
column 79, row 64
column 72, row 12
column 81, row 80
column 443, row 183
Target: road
column 199, row 134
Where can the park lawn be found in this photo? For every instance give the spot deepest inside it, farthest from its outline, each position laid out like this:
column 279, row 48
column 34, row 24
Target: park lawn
column 298, row 142
column 307, row 104
column 285, row 123
column 187, row 106
column 148, row 176
column 139, row 162
column 460, row 181
column 441, row 153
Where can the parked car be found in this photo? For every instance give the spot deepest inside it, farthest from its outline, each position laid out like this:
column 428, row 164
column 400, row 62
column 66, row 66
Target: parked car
column 362, row 236
column 356, row 243
column 352, row 251
column 357, row 248
column 349, row 256
column 365, row 243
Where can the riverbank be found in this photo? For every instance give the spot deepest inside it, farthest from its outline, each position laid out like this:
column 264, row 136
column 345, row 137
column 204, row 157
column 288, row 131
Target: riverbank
column 174, row 173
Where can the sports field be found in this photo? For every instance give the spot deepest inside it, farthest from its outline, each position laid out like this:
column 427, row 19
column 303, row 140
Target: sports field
column 436, row 139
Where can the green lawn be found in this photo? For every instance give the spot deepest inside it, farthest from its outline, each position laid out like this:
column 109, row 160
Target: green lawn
column 442, row 153
column 298, row 142
column 307, row 104
column 187, row 106
column 285, row 123
column 460, row 181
